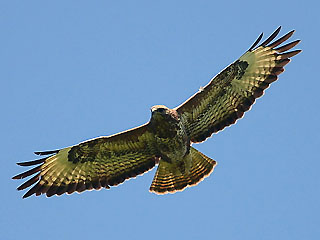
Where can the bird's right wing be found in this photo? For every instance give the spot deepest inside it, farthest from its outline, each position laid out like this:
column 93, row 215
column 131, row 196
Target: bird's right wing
column 100, row 162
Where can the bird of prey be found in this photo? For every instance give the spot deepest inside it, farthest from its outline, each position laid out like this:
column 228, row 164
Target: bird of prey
column 166, row 139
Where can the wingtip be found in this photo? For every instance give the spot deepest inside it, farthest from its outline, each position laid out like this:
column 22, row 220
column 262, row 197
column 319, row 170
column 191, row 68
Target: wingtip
column 40, row 153
column 290, row 54
column 256, row 42
column 291, row 33
column 271, row 37
column 25, row 196
column 297, row 52
column 31, row 191
column 30, row 163
column 16, row 177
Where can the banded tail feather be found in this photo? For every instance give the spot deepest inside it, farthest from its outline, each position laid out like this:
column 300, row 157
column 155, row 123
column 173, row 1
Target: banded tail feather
column 169, row 180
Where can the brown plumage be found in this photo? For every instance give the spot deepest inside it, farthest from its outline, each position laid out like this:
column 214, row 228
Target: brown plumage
column 166, row 139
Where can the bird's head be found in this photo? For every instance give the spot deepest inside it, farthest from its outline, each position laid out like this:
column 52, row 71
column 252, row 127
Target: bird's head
column 159, row 109
column 160, row 112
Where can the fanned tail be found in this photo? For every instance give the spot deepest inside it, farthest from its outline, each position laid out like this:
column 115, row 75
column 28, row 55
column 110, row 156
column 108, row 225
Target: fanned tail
column 170, row 180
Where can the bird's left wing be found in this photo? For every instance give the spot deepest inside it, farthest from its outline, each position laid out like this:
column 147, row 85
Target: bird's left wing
column 234, row 90
column 100, row 162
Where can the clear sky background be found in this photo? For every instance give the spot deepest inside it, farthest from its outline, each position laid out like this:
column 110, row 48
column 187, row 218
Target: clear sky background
column 75, row 70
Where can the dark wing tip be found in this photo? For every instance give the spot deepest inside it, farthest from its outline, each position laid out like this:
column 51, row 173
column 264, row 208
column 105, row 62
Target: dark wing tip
column 268, row 40
column 31, row 191
column 286, row 47
column 26, row 195
column 27, row 173
column 290, row 54
column 30, row 163
column 256, row 42
column 281, row 40
column 272, row 36
column 46, row 152
column 29, row 182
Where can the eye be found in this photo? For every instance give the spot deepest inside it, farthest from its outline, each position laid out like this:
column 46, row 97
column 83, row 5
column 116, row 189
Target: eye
column 161, row 110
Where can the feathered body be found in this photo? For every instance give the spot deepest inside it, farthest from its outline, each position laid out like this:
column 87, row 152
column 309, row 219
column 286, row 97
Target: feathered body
column 166, row 139
column 171, row 139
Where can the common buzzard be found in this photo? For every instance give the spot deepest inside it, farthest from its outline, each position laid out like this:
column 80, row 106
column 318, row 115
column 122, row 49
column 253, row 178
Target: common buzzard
column 166, row 139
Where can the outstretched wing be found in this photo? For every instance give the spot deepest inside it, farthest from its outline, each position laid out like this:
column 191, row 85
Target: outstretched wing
column 232, row 92
column 100, row 162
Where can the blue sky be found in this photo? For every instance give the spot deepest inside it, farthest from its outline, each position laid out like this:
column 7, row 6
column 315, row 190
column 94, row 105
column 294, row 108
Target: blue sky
column 75, row 70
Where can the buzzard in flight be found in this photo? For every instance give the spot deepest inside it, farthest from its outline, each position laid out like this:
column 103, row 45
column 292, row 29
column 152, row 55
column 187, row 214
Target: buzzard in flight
column 166, row 139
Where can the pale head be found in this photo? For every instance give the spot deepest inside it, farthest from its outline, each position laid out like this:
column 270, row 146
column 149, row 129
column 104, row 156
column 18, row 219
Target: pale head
column 159, row 109
column 163, row 112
